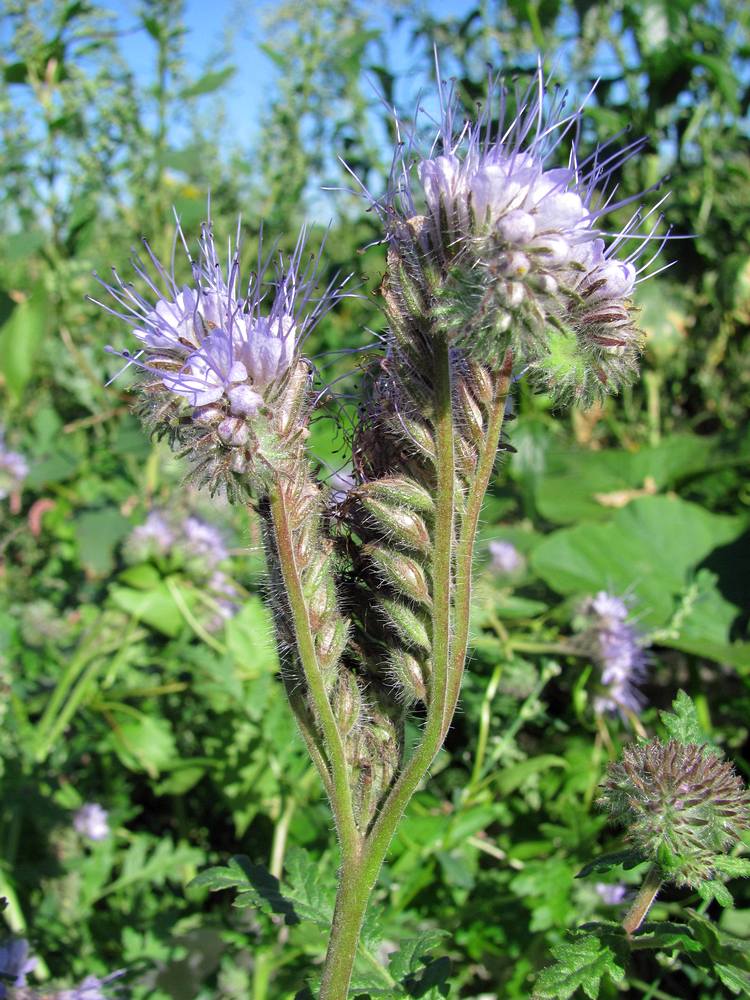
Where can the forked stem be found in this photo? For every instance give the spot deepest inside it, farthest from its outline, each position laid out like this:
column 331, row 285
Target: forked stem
column 358, row 878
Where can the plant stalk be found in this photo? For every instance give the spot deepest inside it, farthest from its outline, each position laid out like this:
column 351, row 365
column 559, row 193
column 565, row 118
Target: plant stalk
column 337, row 782
column 644, row 900
column 358, row 877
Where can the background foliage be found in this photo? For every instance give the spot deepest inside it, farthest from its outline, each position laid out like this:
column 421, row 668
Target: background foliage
column 117, row 686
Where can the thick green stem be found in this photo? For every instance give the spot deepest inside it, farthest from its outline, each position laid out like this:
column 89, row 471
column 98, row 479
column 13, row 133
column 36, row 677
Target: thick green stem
column 644, row 900
column 338, row 781
column 358, row 878
column 465, row 550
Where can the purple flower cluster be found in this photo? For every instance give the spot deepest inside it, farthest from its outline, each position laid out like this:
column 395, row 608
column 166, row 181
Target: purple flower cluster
column 617, row 646
column 208, row 342
column 13, row 469
column 15, row 963
column 92, row 821
column 505, row 557
column 196, row 545
column 517, row 239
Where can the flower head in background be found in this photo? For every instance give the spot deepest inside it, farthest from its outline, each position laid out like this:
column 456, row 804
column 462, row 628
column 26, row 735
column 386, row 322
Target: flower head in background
column 505, row 557
column 92, row 821
column 682, row 806
column 15, row 963
column 13, row 469
column 224, row 350
column 611, row 893
column 155, row 537
column 502, row 218
column 616, row 645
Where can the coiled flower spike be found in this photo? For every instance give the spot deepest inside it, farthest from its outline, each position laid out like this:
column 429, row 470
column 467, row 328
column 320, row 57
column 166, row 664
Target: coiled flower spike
column 218, row 360
column 508, row 245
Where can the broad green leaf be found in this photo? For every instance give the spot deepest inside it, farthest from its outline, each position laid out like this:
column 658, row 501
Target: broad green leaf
column 732, row 867
column 154, row 607
column 20, row 341
column 249, row 638
column 647, row 548
column 142, row 742
column 208, row 83
column 98, row 532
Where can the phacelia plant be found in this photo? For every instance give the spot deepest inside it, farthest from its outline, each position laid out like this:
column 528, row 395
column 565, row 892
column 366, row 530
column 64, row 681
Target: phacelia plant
column 498, row 268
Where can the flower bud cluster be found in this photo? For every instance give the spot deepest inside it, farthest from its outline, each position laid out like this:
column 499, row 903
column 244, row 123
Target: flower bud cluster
column 505, row 246
column 616, row 646
column 681, row 804
column 223, row 376
column 13, row 469
column 191, row 545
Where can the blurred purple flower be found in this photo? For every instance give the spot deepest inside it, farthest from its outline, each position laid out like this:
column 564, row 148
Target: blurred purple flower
column 13, row 469
column 92, row 821
column 15, row 962
column 203, row 541
column 617, row 646
column 611, row 893
column 505, row 557
column 154, row 537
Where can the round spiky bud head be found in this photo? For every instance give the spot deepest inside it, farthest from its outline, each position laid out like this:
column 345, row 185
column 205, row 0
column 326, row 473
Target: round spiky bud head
column 221, row 372
column 495, row 229
column 681, row 803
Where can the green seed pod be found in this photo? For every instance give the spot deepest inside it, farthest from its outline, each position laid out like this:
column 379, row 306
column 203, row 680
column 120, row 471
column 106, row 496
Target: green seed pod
column 399, row 493
column 419, row 436
column 409, row 675
column 399, row 571
column 330, row 642
column 473, row 420
column 347, row 702
column 399, row 524
column 409, row 626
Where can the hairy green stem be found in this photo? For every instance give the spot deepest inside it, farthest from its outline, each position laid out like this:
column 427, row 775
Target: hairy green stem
column 644, row 900
column 358, row 876
column 469, row 524
column 338, row 781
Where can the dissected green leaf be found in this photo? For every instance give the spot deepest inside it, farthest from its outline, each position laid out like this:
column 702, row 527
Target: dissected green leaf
column 682, row 723
column 582, row 962
column 255, row 887
column 606, row 862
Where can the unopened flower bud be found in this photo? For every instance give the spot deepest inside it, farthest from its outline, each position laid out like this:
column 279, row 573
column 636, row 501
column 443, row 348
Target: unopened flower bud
column 233, row 431
column 681, row 805
column 347, row 702
column 409, row 625
column 517, row 227
column 400, row 571
column 244, row 400
column 409, row 675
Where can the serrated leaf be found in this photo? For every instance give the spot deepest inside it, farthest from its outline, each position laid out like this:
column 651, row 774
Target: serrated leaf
column 255, row 887
column 412, row 952
column 311, row 891
column 732, row 867
column 738, row 980
column 582, row 963
column 605, row 862
column 682, row 723
column 715, row 890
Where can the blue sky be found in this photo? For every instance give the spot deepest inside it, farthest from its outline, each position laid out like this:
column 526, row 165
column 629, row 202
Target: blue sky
column 211, row 22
